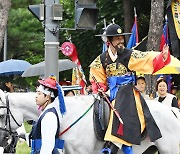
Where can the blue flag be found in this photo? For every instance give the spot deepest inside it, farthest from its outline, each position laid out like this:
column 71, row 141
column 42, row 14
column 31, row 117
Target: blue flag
column 134, row 36
column 104, row 48
column 165, row 32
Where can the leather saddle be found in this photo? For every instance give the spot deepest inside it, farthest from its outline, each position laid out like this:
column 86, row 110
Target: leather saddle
column 101, row 118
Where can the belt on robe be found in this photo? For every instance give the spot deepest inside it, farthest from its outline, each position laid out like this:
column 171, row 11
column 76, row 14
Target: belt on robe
column 115, row 82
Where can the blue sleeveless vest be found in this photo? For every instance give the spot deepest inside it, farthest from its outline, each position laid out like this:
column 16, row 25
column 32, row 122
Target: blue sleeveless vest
column 35, row 135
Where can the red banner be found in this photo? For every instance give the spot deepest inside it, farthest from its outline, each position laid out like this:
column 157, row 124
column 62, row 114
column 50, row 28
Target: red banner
column 78, row 77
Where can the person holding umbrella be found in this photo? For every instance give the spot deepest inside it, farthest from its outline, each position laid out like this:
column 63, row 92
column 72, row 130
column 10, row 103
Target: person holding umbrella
column 113, row 70
column 7, row 86
column 45, row 132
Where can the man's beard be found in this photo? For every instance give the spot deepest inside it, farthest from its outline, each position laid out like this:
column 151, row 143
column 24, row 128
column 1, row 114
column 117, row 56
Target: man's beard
column 119, row 50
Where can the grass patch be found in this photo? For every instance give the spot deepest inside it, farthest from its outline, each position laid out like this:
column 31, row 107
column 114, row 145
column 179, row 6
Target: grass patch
column 22, row 147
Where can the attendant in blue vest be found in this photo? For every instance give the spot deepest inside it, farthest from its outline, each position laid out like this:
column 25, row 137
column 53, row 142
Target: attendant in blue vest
column 45, row 132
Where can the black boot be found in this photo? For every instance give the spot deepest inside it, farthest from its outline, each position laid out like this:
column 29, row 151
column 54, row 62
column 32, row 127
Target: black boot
column 114, row 149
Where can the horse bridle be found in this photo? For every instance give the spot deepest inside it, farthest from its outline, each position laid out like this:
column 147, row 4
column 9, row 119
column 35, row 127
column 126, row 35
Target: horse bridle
column 8, row 114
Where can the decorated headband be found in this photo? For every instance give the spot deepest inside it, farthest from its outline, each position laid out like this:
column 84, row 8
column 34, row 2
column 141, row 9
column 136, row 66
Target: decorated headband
column 51, row 83
column 45, row 90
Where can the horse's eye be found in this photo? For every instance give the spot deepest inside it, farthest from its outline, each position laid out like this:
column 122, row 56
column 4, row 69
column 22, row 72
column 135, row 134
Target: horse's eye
column 1, row 116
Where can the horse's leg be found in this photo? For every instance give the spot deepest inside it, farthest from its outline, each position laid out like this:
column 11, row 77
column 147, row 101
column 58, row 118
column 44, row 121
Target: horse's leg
column 1, row 150
column 151, row 150
column 145, row 144
column 11, row 148
column 169, row 147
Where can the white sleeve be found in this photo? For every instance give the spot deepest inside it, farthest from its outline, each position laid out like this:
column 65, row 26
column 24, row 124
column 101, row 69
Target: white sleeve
column 48, row 132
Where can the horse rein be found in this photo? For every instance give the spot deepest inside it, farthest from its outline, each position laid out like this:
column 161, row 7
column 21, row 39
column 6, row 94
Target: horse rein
column 65, row 130
column 8, row 114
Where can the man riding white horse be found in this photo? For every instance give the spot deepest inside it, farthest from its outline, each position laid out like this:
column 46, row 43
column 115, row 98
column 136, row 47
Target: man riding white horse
column 113, row 69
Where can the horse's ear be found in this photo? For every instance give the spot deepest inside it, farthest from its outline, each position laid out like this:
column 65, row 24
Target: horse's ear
column 1, row 92
column 2, row 96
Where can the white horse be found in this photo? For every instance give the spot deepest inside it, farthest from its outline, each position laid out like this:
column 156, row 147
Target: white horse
column 81, row 138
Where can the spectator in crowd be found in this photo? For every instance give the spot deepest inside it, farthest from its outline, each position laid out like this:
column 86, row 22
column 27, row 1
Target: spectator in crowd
column 174, row 89
column 7, row 86
column 163, row 96
column 89, row 89
column 65, row 83
column 69, row 93
column 141, row 86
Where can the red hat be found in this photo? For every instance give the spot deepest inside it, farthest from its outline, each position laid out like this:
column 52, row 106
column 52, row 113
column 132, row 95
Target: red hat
column 62, row 83
column 53, row 84
column 49, row 82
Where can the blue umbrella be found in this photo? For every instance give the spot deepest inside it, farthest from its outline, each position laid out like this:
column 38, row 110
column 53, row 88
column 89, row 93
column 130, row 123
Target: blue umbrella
column 13, row 67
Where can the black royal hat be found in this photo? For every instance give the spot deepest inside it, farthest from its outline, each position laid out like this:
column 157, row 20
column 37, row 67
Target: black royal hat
column 113, row 30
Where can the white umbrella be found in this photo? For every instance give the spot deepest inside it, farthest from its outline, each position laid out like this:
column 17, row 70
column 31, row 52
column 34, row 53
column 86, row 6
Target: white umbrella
column 38, row 69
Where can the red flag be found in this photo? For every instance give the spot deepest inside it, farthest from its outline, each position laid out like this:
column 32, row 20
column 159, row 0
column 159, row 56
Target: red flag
column 78, row 77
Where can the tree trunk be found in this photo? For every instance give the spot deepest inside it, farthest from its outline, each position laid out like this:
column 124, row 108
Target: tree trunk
column 31, row 2
column 5, row 6
column 154, row 36
column 128, row 17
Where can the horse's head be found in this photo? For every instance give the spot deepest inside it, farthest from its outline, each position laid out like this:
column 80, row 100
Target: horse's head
column 14, row 109
column 4, row 132
column 8, row 122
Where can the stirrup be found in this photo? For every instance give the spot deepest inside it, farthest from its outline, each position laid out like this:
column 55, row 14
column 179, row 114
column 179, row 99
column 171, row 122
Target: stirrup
column 108, row 150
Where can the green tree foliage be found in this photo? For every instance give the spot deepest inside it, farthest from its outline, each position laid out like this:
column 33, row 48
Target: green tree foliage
column 25, row 38
column 25, row 35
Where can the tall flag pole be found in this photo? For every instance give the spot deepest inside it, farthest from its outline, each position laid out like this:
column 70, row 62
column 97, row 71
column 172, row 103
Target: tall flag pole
column 78, row 77
column 105, row 23
column 134, row 39
column 135, row 19
column 104, row 48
